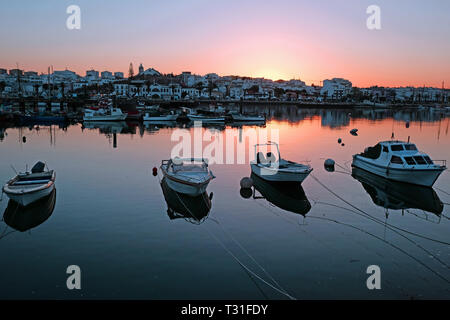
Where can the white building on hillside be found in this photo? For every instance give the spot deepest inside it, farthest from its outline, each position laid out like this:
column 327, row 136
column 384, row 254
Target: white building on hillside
column 336, row 88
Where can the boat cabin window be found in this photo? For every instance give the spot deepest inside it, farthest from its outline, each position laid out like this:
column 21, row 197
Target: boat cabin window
column 428, row 160
column 410, row 160
column 420, row 160
column 397, row 147
column 410, row 147
column 396, row 160
column 385, row 149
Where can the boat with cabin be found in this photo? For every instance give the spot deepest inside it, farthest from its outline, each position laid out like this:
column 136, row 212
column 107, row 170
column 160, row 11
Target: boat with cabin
column 109, row 114
column 400, row 161
column 272, row 167
column 28, row 187
column 188, row 176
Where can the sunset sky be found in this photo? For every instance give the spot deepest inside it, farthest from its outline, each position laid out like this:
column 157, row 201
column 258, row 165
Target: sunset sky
column 283, row 39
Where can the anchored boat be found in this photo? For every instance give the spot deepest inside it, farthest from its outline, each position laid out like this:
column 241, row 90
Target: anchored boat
column 188, row 176
column 160, row 116
column 111, row 114
column 239, row 117
column 400, row 161
column 28, row 187
column 272, row 167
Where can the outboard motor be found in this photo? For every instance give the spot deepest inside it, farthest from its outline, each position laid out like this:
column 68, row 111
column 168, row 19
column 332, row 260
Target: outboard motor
column 38, row 167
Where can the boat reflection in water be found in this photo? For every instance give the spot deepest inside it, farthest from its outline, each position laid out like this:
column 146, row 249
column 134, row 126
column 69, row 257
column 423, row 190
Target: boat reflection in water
column 192, row 209
column 288, row 196
column 398, row 195
column 23, row 218
column 107, row 127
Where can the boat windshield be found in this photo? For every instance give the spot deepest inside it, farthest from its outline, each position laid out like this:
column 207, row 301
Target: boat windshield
column 410, row 147
column 397, row 147
column 267, row 154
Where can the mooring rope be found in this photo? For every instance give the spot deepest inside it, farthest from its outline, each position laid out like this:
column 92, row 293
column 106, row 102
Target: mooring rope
column 366, row 215
column 387, row 242
column 282, row 291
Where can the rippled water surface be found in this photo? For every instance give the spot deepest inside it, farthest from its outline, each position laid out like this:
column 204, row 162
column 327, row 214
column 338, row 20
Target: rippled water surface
column 111, row 217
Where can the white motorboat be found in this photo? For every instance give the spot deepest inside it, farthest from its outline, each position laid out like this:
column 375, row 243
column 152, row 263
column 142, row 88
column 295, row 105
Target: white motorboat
column 206, row 118
column 110, row 114
column 400, row 161
column 238, row 117
column 273, row 168
column 26, row 188
column 188, row 176
column 160, row 117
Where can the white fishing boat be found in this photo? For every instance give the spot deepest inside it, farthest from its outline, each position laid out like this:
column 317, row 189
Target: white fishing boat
column 28, row 187
column 273, row 168
column 206, row 118
column 400, row 161
column 239, row 117
column 110, row 114
column 161, row 117
column 188, row 176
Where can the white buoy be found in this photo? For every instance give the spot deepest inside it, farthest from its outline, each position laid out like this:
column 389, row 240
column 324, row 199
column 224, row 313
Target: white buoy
column 246, row 183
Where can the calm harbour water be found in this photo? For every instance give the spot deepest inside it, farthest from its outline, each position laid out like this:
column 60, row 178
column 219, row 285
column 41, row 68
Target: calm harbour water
column 111, row 218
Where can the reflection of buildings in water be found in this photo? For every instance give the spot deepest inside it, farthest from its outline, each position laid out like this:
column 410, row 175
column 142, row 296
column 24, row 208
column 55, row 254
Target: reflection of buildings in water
column 335, row 118
column 26, row 218
column 3, row 134
column 288, row 196
column 192, row 209
column 397, row 195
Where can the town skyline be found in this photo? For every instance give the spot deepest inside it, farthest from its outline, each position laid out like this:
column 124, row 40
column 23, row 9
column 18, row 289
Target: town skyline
column 125, row 75
column 283, row 40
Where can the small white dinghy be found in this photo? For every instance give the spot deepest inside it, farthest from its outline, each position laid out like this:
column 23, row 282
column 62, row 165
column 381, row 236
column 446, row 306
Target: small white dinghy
column 26, row 188
column 274, row 168
column 188, row 176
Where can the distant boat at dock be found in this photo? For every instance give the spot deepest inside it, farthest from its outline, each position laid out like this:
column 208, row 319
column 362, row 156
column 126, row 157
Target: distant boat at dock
column 111, row 114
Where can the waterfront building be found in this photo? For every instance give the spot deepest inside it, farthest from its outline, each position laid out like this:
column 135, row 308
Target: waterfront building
column 336, row 88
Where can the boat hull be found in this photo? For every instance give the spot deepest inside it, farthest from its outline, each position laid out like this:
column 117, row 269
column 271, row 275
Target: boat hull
column 421, row 177
column 27, row 198
column 163, row 118
column 271, row 174
column 206, row 119
column 118, row 117
column 243, row 118
column 192, row 190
